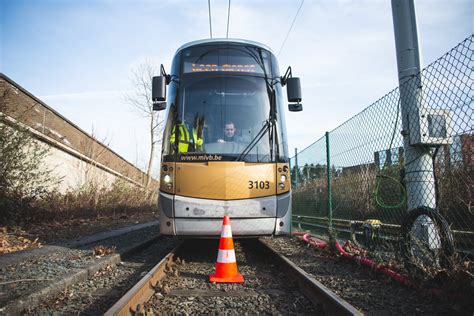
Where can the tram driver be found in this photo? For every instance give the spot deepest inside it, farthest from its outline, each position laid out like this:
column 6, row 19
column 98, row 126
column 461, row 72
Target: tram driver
column 229, row 133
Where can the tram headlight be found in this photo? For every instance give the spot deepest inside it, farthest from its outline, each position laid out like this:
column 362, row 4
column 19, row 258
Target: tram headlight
column 167, row 179
column 281, row 185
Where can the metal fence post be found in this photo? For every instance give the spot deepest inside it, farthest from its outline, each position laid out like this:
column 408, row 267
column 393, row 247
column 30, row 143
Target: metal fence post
column 296, row 168
column 328, row 167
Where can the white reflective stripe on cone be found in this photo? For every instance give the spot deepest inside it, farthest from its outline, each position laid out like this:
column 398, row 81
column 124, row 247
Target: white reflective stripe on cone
column 226, row 256
column 226, row 231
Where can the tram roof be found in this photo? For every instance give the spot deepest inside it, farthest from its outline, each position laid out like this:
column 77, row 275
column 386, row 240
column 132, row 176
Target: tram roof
column 224, row 40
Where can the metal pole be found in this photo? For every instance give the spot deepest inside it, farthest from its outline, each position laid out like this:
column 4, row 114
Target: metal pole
column 228, row 18
column 419, row 176
column 418, row 162
column 210, row 22
column 296, row 168
column 328, row 167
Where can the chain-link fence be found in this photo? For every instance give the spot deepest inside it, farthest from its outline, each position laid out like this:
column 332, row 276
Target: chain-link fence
column 413, row 149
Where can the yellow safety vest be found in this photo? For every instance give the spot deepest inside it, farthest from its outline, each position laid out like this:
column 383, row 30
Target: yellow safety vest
column 185, row 140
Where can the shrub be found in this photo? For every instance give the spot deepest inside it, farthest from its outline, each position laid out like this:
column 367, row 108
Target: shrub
column 23, row 177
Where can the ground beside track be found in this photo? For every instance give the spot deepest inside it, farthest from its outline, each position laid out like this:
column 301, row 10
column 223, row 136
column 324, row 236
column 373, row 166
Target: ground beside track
column 21, row 279
column 372, row 293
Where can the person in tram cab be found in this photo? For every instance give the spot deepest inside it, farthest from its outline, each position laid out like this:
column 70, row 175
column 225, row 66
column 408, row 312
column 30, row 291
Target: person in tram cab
column 190, row 135
column 229, row 133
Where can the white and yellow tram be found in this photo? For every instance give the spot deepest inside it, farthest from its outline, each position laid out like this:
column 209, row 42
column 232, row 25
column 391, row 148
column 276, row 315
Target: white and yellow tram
column 225, row 144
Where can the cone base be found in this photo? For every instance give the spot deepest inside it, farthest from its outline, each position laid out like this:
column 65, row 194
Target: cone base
column 236, row 279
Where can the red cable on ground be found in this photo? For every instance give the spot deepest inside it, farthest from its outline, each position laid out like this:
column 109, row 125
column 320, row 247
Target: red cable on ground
column 313, row 241
column 316, row 242
column 319, row 243
column 372, row 264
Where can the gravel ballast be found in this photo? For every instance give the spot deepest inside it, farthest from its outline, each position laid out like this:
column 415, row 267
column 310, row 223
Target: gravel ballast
column 266, row 288
column 96, row 295
column 370, row 292
column 32, row 275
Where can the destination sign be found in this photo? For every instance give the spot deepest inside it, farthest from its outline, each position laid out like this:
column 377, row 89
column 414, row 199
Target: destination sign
column 192, row 67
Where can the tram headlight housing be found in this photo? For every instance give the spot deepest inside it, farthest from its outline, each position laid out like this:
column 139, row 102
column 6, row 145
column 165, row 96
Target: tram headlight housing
column 168, row 181
column 281, row 185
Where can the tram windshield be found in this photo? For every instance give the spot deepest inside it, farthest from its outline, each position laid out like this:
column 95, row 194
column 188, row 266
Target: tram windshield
column 223, row 107
column 226, row 114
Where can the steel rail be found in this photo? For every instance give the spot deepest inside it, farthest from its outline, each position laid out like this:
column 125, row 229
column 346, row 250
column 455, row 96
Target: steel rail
column 141, row 292
column 328, row 302
column 315, row 291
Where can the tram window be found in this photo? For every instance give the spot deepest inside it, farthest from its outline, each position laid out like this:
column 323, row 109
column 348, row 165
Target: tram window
column 242, row 101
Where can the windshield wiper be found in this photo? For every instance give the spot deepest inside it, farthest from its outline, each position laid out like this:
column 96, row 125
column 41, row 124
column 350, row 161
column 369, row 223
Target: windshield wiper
column 265, row 128
column 270, row 122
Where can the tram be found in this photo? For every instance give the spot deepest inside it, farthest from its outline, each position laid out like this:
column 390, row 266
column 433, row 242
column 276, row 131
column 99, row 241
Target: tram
column 224, row 145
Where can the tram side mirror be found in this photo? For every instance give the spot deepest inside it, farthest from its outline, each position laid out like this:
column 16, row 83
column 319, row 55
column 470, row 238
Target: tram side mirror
column 295, row 107
column 293, row 91
column 158, row 93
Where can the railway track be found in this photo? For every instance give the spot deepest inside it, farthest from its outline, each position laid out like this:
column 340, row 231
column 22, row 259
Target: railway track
column 96, row 294
column 50, row 271
column 273, row 284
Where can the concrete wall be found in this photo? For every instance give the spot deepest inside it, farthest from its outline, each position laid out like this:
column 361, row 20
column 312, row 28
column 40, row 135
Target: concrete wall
column 74, row 155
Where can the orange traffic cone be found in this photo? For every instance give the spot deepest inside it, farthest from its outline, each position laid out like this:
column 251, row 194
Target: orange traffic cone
column 226, row 266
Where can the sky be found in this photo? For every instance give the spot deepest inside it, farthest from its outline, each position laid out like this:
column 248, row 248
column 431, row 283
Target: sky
column 78, row 56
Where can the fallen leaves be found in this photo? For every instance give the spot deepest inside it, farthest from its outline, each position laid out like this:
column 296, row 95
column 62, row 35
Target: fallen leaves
column 107, row 270
column 14, row 239
column 72, row 228
column 101, row 251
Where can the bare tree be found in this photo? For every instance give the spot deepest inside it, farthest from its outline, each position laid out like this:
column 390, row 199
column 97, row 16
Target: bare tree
column 95, row 182
column 140, row 99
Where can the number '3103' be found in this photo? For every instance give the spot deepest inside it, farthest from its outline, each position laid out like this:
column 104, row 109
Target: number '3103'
column 259, row 185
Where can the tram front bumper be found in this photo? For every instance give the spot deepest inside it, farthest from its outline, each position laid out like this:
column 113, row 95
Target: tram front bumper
column 184, row 216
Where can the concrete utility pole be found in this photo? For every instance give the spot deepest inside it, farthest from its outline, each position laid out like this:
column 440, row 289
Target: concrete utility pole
column 418, row 162
column 419, row 176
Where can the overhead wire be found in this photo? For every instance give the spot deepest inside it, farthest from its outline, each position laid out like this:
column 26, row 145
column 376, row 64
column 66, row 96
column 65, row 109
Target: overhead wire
column 291, row 27
column 210, row 23
column 228, row 18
